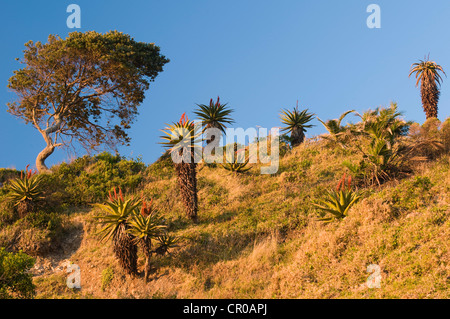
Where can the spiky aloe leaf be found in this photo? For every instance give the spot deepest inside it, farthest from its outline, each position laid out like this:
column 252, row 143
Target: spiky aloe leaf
column 116, row 212
column 214, row 115
column 26, row 188
column 146, row 227
column 296, row 119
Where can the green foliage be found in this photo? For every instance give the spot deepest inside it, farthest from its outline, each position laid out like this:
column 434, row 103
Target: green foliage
column 7, row 174
column 45, row 220
column 89, row 76
column 147, row 225
column 89, row 179
column 377, row 140
column 214, row 115
column 296, row 124
column 107, row 277
column 412, row 194
column 296, row 119
column 239, row 162
column 338, row 202
column 116, row 211
column 182, row 137
column 15, row 281
column 336, row 132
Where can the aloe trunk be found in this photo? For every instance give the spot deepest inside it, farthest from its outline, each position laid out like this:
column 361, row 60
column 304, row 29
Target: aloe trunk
column 297, row 136
column 147, row 246
column 187, row 181
column 125, row 250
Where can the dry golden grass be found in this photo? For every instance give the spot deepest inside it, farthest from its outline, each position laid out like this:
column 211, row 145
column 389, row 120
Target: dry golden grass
column 258, row 237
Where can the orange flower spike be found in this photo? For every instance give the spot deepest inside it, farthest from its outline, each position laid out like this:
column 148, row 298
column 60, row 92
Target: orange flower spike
column 350, row 183
column 182, row 118
column 121, row 194
column 115, row 193
column 110, row 196
column 144, row 209
column 21, row 174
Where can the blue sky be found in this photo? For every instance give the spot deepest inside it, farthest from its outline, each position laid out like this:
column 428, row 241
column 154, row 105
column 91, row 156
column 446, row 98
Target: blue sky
column 259, row 56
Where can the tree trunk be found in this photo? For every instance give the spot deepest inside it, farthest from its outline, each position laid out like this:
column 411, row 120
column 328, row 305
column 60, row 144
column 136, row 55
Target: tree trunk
column 50, row 148
column 147, row 246
column 187, row 181
column 430, row 98
column 297, row 136
column 43, row 155
column 125, row 250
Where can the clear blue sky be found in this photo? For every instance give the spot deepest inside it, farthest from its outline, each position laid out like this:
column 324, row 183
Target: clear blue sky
column 259, row 56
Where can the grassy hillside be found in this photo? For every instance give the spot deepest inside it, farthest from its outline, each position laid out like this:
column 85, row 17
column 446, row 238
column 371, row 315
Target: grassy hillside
column 258, row 235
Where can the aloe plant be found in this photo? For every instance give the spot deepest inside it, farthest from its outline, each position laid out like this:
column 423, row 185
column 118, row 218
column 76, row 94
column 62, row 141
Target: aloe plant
column 296, row 123
column 117, row 212
column 147, row 227
column 181, row 138
column 26, row 191
column 338, row 202
column 214, row 115
column 238, row 164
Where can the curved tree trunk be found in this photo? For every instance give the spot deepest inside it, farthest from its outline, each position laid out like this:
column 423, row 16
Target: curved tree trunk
column 50, row 148
column 42, row 156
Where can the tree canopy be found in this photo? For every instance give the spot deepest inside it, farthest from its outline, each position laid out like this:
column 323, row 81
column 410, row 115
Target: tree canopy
column 84, row 88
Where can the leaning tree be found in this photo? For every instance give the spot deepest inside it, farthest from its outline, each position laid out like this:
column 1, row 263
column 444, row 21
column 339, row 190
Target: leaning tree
column 85, row 88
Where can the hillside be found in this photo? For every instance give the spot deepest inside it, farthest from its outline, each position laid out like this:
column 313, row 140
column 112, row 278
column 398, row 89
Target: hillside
column 258, row 236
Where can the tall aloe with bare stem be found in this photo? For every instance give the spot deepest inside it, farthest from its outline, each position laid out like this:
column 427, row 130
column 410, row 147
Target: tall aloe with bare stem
column 181, row 139
column 116, row 212
column 427, row 74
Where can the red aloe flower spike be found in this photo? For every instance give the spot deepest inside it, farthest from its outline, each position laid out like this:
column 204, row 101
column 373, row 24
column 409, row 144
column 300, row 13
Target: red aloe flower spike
column 110, row 196
column 182, row 118
column 144, row 209
column 21, row 174
column 211, row 102
column 115, row 193
column 350, row 183
column 341, row 183
column 120, row 194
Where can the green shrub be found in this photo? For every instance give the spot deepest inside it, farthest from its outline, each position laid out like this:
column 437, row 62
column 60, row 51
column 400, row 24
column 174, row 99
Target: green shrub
column 107, row 277
column 88, row 180
column 15, row 281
